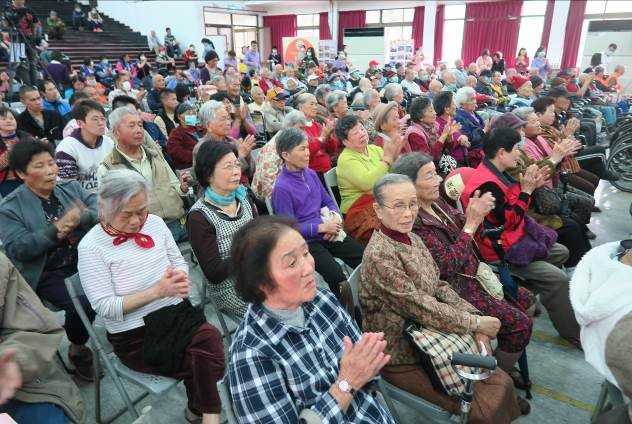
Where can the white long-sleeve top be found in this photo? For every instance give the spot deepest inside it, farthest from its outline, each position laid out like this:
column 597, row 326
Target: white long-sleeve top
column 601, row 294
column 108, row 272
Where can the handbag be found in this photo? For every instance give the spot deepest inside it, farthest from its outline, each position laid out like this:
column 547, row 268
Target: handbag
column 435, row 350
column 484, row 273
column 447, row 163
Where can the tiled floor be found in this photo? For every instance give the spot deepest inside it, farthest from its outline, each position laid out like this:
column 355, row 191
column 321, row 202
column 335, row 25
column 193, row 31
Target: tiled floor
column 565, row 386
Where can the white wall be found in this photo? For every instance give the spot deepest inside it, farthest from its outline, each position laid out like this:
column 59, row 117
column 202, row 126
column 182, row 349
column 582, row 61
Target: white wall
column 184, row 17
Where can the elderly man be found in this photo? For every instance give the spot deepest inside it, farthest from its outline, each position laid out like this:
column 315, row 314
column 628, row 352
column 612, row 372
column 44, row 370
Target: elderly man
column 275, row 110
column 460, row 73
column 153, row 96
column 153, row 42
column 409, row 83
column 449, row 81
column 130, row 152
column 434, row 88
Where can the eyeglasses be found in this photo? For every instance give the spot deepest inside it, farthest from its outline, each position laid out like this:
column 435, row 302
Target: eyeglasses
column 231, row 165
column 401, row 207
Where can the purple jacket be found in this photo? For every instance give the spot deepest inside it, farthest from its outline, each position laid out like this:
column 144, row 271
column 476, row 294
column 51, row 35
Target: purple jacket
column 300, row 195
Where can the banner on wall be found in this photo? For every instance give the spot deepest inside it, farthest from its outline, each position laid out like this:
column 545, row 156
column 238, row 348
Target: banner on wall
column 294, row 48
column 400, row 51
column 327, row 50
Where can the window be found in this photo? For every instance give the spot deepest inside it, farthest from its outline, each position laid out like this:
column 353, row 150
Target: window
column 618, row 7
column 240, row 29
column 453, row 28
column 594, row 7
column 452, row 40
column 373, row 17
column 307, row 20
column 530, row 27
column 534, row 8
column 313, row 33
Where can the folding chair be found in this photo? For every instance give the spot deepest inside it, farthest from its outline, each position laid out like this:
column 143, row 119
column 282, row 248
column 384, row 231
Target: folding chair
column 609, row 397
column 331, row 181
column 227, row 402
column 152, row 384
column 427, row 409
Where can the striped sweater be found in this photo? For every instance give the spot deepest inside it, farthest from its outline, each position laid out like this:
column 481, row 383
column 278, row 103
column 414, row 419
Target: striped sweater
column 108, row 272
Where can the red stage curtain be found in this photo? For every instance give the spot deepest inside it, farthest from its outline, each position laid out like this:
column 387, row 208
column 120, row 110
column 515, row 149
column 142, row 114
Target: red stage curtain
column 418, row 26
column 493, row 26
column 280, row 26
column 574, row 24
column 438, row 38
column 323, row 26
column 350, row 19
column 546, row 30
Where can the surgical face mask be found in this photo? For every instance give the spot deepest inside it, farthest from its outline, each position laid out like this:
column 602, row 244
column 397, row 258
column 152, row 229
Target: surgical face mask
column 341, row 56
column 425, row 78
column 190, row 120
column 522, row 141
column 452, row 86
column 487, row 79
column 394, row 79
column 127, row 86
column 609, row 52
column 339, row 85
column 274, row 51
column 106, row 61
column 309, row 54
column 541, row 54
column 92, row 82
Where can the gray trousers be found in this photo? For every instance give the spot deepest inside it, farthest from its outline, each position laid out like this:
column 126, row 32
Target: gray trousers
column 547, row 279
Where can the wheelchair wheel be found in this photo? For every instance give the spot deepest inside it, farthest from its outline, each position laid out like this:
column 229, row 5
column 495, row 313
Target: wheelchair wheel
column 620, row 161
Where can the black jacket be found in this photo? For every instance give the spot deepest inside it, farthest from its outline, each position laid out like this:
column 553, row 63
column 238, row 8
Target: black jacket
column 53, row 125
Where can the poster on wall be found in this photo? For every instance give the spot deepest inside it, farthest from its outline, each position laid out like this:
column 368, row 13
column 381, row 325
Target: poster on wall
column 400, row 51
column 294, row 48
column 327, row 51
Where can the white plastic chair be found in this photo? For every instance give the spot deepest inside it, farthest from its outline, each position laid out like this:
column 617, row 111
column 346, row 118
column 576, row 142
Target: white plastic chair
column 227, row 401
column 331, row 181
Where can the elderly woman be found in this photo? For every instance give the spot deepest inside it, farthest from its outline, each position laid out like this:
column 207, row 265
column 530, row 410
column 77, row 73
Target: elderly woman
column 445, row 108
column 298, row 193
column 337, row 105
column 360, row 165
column 472, row 125
column 447, row 234
column 524, row 91
column 268, row 163
column 579, row 178
column 423, row 134
column 371, row 100
column 210, row 69
column 386, row 123
column 400, row 281
column 395, row 93
column 183, row 138
column 322, row 143
column 297, row 354
column 215, row 117
column 527, row 246
column 41, row 224
column 136, row 279
column 224, row 208
column 499, row 91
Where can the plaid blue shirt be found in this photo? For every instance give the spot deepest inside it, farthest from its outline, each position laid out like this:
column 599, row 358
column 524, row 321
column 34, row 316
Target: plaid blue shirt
column 276, row 370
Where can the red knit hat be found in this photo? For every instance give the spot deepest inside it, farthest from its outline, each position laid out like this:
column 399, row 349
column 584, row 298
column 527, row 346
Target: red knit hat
column 519, row 80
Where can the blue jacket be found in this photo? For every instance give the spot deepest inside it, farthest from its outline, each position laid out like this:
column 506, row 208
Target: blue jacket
column 60, row 106
column 27, row 236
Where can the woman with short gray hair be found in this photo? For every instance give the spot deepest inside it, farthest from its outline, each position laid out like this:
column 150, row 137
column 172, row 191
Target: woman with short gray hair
column 299, row 193
column 323, row 145
column 472, row 124
column 337, row 104
column 393, row 92
column 135, row 277
column 399, row 281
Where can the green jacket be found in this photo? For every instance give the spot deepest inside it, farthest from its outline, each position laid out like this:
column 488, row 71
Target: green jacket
column 30, row 329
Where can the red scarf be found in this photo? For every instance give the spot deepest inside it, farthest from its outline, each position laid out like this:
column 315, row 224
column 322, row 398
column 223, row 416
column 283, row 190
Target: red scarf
column 143, row 240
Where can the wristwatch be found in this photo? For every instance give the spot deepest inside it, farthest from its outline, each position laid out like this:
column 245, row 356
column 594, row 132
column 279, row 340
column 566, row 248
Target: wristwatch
column 345, row 387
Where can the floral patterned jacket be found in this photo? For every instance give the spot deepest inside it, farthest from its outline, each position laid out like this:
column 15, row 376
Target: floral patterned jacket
column 400, row 282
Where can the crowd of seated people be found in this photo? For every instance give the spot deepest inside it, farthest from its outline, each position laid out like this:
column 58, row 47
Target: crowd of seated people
column 173, row 156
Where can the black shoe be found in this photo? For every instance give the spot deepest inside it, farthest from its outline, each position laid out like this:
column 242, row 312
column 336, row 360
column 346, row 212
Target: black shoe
column 610, row 176
column 596, row 209
column 524, row 406
column 590, row 235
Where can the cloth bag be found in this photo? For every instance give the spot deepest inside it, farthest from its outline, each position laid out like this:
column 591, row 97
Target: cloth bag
column 435, row 349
